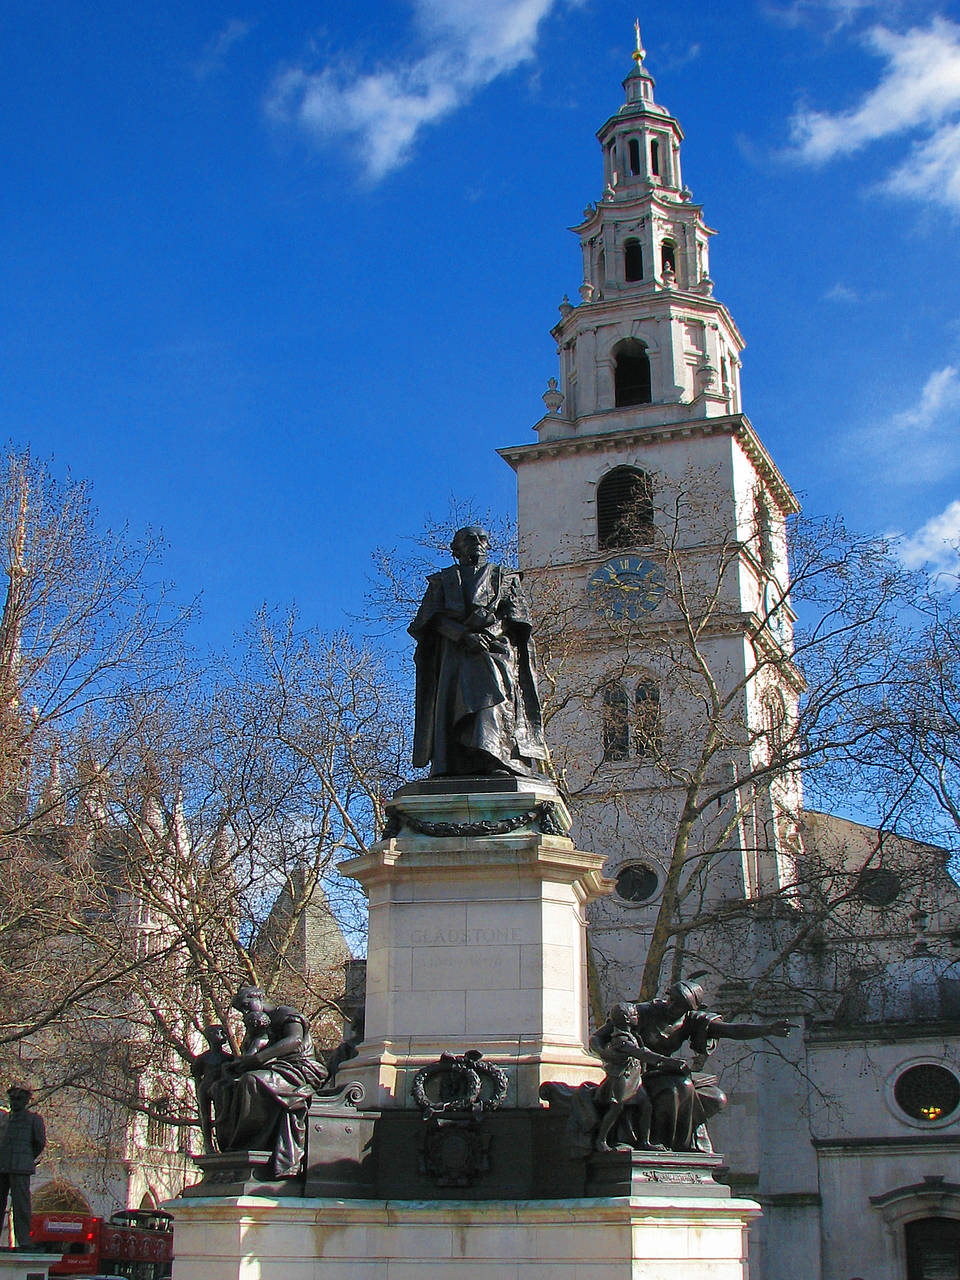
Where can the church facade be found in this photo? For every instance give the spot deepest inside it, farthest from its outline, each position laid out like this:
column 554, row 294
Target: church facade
column 654, row 540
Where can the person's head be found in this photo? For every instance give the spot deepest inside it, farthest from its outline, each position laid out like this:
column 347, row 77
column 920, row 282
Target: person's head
column 250, row 1000
column 470, row 544
column 683, row 997
column 215, row 1036
column 19, row 1096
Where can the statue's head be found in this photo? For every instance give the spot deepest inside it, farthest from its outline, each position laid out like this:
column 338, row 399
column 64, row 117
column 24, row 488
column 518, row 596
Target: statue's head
column 685, row 996
column 623, row 1015
column 19, row 1096
column 249, row 1000
column 215, row 1036
column 471, row 544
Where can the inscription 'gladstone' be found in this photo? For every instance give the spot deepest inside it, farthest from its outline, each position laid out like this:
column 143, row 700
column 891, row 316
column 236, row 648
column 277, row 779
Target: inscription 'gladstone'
column 461, row 937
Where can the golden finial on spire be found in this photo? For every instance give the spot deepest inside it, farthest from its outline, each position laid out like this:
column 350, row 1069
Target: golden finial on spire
column 639, row 53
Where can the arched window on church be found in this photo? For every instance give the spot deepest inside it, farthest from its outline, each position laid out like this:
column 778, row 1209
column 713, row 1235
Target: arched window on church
column 647, row 736
column 668, row 256
column 616, row 722
column 157, row 1122
column 625, row 508
column 655, row 158
column 633, row 148
column 631, row 374
column 633, row 260
column 933, row 1248
column 764, row 528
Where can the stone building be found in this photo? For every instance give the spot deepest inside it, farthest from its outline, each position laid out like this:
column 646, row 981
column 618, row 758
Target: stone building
column 653, row 535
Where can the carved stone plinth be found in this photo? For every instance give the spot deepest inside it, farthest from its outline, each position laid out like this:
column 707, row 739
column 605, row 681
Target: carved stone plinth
column 476, row 936
column 236, row 1173
column 654, row 1173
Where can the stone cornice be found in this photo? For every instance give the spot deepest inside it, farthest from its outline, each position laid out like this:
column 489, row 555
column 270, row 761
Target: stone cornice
column 735, row 425
column 858, row 1146
column 880, row 1033
column 631, row 111
column 658, row 304
column 665, row 199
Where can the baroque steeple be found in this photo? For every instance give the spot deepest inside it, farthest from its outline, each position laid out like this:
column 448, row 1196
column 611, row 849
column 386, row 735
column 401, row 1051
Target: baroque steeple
column 648, row 334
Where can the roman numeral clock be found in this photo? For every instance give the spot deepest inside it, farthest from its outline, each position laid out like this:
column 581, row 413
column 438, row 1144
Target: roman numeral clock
column 627, row 587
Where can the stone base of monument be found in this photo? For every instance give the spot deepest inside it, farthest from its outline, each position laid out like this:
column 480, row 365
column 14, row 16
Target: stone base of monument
column 25, row 1264
column 339, row 1159
column 680, row 1234
column 476, row 936
column 436, row 1160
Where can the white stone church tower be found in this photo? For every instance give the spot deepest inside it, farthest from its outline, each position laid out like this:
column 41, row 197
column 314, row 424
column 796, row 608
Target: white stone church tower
column 648, row 507
column 653, row 538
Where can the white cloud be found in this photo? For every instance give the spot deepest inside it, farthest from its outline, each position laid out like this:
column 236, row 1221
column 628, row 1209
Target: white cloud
column 838, row 13
column 220, row 45
column 840, row 292
column 935, row 544
column 465, row 45
column 919, row 94
column 669, row 59
column 941, row 392
column 918, row 444
column 932, row 170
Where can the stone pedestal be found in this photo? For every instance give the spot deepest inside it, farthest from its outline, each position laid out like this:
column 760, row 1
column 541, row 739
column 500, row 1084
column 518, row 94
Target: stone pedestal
column 26, row 1264
column 657, row 1236
column 476, row 941
column 476, row 937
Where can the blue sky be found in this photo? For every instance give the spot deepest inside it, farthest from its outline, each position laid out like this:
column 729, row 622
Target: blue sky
column 278, row 279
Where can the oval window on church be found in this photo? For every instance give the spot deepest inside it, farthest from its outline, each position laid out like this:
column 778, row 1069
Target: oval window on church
column 878, row 886
column 637, row 883
column 927, row 1092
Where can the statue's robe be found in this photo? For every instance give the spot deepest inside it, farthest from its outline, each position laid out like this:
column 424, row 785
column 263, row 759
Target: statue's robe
column 476, row 713
column 682, row 1105
column 266, row 1107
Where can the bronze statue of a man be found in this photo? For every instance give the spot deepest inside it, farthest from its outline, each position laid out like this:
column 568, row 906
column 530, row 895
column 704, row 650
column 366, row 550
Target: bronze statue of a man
column 477, row 709
column 22, row 1139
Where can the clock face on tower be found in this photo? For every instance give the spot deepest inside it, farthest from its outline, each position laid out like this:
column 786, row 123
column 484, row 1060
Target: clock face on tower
column 627, row 587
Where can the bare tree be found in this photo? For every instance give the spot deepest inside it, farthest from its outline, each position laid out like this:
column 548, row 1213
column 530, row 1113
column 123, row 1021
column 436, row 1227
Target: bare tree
column 686, row 729
column 223, row 825
column 689, row 732
column 89, row 642
column 168, row 829
column 920, row 748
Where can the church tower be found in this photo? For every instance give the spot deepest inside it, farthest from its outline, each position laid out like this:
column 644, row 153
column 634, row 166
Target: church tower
column 652, row 536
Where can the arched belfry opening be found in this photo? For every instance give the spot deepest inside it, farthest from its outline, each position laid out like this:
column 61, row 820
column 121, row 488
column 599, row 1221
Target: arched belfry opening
column 631, row 374
column 632, row 260
column 625, row 508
